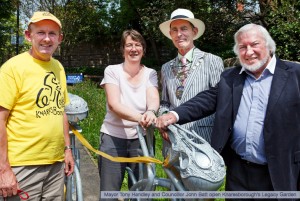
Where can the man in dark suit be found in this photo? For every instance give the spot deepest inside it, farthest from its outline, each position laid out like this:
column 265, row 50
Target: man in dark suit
column 257, row 119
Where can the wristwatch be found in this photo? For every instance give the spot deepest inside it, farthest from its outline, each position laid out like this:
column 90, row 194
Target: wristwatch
column 68, row 148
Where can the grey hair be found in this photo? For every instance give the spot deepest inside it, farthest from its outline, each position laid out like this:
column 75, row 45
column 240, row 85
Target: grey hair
column 270, row 43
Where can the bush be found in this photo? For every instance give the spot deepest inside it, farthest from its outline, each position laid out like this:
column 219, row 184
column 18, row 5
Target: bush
column 95, row 98
column 99, row 71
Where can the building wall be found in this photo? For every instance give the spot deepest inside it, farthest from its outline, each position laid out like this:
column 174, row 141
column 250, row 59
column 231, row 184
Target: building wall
column 89, row 55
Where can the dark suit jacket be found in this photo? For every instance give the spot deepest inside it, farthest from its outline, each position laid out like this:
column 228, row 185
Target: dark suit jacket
column 281, row 125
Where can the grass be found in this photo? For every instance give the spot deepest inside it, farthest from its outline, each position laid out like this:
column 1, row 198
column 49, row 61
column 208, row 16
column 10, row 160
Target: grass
column 95, row 98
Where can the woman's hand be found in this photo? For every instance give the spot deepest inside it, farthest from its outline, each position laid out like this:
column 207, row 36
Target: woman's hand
column 147, row 119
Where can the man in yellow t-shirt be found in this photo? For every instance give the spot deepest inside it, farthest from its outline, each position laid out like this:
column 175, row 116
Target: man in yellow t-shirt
column 34, row 140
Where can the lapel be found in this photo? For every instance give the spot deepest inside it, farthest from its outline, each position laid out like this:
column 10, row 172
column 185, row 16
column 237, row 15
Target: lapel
column 278, row 84
column 170, row 69
column 197, row 63
column 237, row 90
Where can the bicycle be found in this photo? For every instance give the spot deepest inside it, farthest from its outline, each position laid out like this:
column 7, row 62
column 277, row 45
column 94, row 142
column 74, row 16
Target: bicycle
column 73, row 182
column 77, row 110
column 207, row 163
column 147, row 180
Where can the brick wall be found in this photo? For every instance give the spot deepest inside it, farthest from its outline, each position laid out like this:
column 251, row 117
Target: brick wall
column 89, row 55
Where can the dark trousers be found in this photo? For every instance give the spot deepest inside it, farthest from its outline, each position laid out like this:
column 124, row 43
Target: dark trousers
column 246, row 176
column 112, row 173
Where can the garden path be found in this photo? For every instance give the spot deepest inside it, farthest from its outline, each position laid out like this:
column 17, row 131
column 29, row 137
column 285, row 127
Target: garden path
column 89, row 174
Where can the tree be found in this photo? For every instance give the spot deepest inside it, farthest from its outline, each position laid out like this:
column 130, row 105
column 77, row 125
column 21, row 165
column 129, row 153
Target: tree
column 101, row 23
column 283, row 22
column 220, row 18
column 7, row 24
column 83, row 21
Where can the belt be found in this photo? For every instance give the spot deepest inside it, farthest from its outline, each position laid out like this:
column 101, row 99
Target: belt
column 253, row 164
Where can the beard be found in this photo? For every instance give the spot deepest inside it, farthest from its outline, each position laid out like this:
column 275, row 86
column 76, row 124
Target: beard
column 256, row 66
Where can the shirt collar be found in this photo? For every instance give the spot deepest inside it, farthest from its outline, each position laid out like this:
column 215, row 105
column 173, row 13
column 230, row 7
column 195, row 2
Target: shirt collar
column 271, row 66
column 188, row 55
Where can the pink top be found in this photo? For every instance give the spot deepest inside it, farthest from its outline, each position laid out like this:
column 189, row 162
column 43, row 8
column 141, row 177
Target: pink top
column 133, row 96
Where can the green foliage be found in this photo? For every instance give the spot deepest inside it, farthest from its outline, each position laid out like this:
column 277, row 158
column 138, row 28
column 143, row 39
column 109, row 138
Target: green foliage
column 221, row 20
column 95, row 98
column 84, row 21
column 284, row 27
column 86, row 70
column 7, row 9
column 8, row 28
column 101, row 23
column 7, row 21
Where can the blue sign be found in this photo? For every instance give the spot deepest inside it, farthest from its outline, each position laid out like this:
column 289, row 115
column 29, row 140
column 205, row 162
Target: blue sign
column 74, row 78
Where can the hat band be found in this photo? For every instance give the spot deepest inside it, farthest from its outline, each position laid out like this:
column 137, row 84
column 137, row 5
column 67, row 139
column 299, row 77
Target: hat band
column 179, row 16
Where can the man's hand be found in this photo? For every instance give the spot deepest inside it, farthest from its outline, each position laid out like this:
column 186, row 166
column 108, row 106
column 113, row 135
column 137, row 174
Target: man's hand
column 8, row 182
column 69, row 162
column 163, row 122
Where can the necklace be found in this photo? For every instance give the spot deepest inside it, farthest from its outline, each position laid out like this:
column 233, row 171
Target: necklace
column 181, row 72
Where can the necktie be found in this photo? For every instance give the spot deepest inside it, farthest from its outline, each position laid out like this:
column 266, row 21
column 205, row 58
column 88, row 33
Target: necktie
column 184, row 70
column 182, row 77
column 183, row 61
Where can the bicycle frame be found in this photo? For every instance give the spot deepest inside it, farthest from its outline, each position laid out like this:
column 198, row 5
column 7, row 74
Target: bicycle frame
column 147, row 180
column 73, row 183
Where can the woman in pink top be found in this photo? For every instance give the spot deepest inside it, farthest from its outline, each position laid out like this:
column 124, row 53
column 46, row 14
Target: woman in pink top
column 132, row 98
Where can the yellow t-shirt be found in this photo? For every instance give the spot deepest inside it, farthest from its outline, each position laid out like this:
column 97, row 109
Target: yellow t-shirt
column 35, row 92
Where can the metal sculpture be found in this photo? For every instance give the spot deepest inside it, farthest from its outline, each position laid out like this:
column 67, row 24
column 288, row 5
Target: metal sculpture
column 201, row 167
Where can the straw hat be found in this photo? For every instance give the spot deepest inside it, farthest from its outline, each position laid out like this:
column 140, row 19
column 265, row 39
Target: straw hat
column 183, row 14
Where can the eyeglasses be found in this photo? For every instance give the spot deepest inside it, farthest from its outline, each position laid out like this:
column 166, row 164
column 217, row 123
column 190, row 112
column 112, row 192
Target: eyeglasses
column 130, row 45
column 22, row 194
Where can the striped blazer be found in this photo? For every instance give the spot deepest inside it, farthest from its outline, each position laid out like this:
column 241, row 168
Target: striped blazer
column 205, row 73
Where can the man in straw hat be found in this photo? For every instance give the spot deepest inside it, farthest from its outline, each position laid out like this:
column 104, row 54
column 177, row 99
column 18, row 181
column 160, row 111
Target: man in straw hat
column 34, row 135
column 190, row 72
